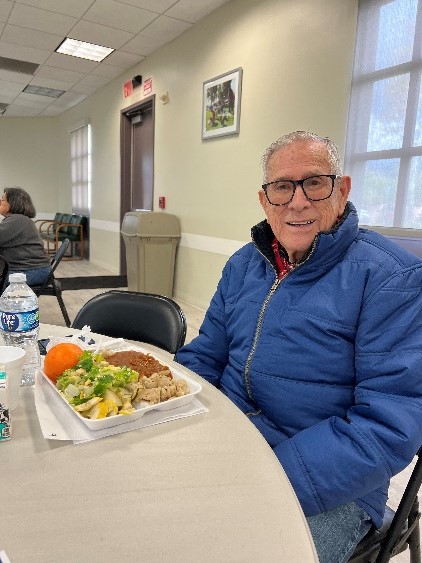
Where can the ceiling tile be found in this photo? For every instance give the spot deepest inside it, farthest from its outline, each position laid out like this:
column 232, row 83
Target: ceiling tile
column 33, row 100
column 5, row 9
column 10, row 88
column 22, row 53
column 166, row 27
column 100, row 34
column 14, row 77
column 110, row 13
column 193, row 10
column 51, row 83
column 50, row 111
column 20, row 110
column 59, row 74
column 71, row 63
column 141, row 45
column 122, row 59
column 93, row 80
column 75, row 8
column 31, row 37
column 83, row 89
column 69, row 97
column 158, row 6
column 7, row 97
column 107, row 70
column 34, row 18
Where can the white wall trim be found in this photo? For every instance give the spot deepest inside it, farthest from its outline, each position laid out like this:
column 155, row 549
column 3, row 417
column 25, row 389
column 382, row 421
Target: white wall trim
column 110, row 226
column 222, row 246
column 226, row 247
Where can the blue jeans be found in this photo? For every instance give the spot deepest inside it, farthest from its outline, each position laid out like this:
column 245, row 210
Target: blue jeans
column 34, row 277
column 337, row 532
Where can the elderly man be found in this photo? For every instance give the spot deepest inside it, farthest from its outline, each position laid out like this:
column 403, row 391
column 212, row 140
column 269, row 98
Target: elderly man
column 315, row 333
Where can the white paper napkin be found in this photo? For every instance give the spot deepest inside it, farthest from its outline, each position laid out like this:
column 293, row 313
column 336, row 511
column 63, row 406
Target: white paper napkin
column 58, row 422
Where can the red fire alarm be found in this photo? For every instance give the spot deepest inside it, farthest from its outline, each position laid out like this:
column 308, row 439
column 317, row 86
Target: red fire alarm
column 162, row 202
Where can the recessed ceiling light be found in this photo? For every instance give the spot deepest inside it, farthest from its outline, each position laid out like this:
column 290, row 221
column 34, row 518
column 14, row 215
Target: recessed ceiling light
column 83, row 50
column 41, row 91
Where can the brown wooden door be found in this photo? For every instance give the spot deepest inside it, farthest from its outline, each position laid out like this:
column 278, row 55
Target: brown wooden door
column 137, row 161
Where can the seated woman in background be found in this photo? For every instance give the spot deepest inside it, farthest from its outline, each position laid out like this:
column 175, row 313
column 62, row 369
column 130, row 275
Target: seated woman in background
column 20, row 241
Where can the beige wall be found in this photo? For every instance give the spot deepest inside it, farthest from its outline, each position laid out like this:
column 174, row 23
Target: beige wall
column 297, row 59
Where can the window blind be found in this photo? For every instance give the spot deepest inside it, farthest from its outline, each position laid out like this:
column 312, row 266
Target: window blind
column 80, row 150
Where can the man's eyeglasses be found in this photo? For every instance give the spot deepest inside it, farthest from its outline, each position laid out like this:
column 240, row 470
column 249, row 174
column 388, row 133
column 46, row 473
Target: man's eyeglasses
column 315, row 188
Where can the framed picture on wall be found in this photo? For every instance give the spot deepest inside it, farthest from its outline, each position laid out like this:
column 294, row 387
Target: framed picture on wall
column 221, row 104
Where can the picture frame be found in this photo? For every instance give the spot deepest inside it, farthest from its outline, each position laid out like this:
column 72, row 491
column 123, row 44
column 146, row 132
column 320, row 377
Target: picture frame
column 221, row 97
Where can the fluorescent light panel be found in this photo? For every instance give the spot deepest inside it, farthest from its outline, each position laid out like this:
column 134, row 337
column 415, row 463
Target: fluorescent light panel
column 41, row 91
column 83, row 50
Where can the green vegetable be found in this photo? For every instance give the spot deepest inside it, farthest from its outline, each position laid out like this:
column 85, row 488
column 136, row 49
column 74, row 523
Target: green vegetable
column 91, row 377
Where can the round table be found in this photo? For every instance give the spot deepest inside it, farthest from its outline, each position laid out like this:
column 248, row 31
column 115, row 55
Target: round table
column 206, row 488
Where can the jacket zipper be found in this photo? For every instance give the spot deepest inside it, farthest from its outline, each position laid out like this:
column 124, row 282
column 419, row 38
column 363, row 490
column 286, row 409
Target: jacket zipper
column 259, row 324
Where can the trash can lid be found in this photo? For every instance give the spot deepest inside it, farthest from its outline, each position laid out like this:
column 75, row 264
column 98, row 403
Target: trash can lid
column 150, row 223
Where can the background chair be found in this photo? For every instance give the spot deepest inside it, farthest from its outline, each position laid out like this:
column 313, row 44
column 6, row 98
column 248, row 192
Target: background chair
column 52, row 286
column 145, row 317
column 399, row 531
column 4, row 273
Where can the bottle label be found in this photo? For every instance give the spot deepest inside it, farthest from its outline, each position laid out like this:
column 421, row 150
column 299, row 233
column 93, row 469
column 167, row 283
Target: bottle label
column 5, row 423
column 19, row 322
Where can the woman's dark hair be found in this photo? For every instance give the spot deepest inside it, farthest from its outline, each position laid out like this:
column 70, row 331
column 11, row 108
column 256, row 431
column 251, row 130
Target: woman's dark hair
column 20, row 202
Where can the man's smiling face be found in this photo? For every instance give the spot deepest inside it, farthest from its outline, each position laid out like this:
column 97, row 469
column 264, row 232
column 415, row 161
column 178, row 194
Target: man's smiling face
column 297, row 223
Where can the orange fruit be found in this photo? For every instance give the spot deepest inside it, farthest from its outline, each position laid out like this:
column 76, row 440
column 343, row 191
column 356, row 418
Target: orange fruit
column 60, row 358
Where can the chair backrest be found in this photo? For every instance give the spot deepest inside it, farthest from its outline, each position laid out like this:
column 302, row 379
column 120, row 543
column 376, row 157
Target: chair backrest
column 407, row 514
column 55, row 261
column 144, row 317
column 66, row 217
column 59, row 254
column 400, row 529
column 76, row 220
column 58, row 217
column 4, row 273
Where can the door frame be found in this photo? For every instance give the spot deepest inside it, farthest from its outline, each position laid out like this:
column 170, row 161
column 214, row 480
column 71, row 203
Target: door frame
column 126, row 164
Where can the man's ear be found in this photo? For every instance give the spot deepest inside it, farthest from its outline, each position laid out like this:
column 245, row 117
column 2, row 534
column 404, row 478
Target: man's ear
column 345, row 185
column 262, row 199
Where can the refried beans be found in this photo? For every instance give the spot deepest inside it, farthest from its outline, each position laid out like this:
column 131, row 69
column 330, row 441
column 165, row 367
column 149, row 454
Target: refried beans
column 144, row 364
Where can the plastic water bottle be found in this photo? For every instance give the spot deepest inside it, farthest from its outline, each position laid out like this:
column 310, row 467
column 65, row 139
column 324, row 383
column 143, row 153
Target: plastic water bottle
column 19, row 323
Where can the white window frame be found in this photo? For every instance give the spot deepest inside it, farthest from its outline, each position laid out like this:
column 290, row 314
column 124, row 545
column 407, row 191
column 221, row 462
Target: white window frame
column 364, row 78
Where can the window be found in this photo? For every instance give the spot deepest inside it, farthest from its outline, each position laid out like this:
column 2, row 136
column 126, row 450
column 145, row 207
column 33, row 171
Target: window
column 384, row 137
column 80, row 155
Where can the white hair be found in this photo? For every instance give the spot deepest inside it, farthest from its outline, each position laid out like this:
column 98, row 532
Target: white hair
column 289, row 138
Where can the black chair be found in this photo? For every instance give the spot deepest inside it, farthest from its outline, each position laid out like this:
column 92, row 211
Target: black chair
column 399, row 530
column 144, row 317
column 4, row 273
column 52, row 286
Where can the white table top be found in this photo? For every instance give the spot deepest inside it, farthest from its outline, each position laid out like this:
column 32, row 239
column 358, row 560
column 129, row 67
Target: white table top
column 203, row 489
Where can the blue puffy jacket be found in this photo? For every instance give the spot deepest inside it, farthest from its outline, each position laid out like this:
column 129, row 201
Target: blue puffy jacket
column 327, row 362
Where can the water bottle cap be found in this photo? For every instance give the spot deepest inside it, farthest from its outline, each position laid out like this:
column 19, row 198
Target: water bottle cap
column 17, row 278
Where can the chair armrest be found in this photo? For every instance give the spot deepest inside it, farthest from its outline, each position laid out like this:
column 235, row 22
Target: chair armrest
column 43, row 222
column 65, row 230
column 53, row 226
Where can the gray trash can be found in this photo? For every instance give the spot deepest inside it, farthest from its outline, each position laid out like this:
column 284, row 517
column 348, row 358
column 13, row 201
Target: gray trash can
column 151, row 240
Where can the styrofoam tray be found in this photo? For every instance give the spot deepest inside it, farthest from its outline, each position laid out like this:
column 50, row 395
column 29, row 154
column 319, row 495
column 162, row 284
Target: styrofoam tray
column 141, row 409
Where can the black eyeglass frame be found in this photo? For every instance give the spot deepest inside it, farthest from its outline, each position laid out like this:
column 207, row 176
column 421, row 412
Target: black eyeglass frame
column 297, row 183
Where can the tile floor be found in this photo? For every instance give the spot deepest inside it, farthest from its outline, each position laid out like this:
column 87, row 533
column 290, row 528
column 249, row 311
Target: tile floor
column 50, row 313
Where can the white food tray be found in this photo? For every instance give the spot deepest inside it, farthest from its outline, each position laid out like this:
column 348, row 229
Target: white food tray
column 141, row 408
